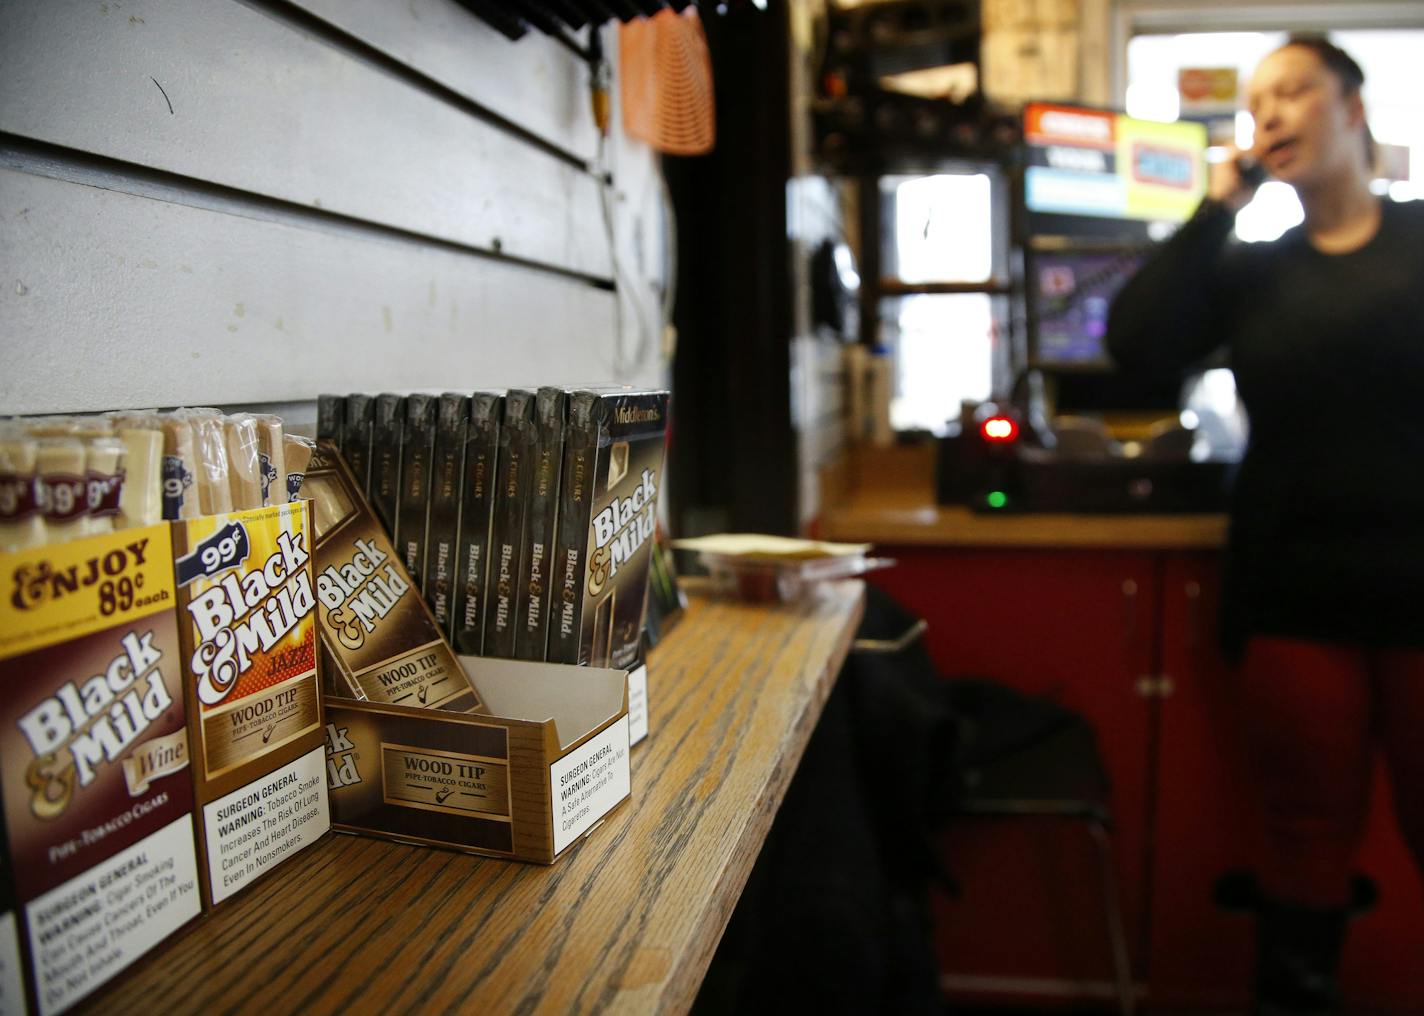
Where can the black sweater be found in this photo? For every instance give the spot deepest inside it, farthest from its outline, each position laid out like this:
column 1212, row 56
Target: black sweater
column 1327, row 535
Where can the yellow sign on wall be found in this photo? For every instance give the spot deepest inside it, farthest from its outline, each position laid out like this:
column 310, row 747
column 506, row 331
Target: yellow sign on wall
column 1162, row 166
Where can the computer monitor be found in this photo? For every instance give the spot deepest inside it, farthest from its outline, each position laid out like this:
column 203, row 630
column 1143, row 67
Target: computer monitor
column 1099, row 190
column 1069, row 295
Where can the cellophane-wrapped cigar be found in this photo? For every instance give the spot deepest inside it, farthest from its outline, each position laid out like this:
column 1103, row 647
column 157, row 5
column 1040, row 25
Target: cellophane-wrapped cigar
column 244, row 468
column 141, row 502
column 21, row 524
column 60, row 487
column 180, row 468
column 210, row 447
column 271, row 459
column 51, row 426
column 297, row 451
column 103, row 483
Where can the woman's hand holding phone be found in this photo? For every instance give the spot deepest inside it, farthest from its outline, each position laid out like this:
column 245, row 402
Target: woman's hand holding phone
column 1234, row 180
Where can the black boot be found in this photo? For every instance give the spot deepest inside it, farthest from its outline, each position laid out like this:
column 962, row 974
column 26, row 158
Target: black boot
column 1297, row 953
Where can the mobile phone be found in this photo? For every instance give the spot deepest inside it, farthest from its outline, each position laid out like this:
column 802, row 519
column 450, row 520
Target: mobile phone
column 1252, row 173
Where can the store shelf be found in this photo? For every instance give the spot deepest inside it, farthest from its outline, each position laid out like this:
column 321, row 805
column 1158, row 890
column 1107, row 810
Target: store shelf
column 627, row 921
column 894, row 287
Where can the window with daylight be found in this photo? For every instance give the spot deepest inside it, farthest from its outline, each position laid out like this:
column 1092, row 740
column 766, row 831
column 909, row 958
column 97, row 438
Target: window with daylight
column 1393, row 94
column 940, row 319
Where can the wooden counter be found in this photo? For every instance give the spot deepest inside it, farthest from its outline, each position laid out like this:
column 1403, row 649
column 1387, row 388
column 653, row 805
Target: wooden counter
column 627, row 921
column 888, row 498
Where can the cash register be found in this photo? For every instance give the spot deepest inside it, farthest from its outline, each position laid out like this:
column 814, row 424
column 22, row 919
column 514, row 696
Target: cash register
column 1097, row 191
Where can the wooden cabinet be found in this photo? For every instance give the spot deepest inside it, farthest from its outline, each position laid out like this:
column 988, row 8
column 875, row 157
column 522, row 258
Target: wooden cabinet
column 1127, row 638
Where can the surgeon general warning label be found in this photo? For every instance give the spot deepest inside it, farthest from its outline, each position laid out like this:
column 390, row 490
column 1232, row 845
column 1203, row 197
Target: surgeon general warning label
column 589, row 781
column 265, row 822
column 638, row 703
column 86, row 930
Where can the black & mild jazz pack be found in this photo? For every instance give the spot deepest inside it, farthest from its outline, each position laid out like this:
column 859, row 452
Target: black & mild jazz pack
column 608, row 504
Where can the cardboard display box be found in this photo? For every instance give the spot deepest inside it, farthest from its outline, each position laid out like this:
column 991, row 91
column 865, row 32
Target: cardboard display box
column 247, row 620
column 94, row 758
column 525, row 783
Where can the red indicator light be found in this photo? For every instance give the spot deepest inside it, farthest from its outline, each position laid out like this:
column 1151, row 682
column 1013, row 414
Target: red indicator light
column 999, row 428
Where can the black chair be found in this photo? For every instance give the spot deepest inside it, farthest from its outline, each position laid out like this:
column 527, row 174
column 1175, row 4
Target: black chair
column 1058, row 776
column 1008, row 756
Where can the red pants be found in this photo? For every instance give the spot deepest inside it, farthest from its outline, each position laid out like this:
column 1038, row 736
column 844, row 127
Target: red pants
column 1315, row 713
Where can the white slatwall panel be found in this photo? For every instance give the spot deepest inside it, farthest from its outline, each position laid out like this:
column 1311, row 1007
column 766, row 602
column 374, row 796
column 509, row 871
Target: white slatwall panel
column 446, row 42
column 263, row 106
column 111, row 300
column 342, row 250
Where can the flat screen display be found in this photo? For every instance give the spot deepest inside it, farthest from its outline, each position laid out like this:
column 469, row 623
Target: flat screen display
column 1087, row 162
column 1070, row 293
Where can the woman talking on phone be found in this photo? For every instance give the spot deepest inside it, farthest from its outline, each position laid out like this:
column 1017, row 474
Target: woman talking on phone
column 1323, row 598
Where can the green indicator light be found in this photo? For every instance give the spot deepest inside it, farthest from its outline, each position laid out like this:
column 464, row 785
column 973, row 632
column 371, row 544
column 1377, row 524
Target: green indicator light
column 997, row 499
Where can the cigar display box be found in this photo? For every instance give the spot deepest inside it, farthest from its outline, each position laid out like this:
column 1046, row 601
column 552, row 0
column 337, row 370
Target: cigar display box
column 94, row 758
column 525, row 782
column 247, row 620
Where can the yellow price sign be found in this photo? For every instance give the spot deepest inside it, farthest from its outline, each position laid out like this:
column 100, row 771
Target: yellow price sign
column 68, row 590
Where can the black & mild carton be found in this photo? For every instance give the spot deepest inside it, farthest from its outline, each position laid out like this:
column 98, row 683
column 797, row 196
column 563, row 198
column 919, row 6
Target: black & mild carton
column 374, row 625
column 417, row 446
column 534, row 576
column 247, row 613
column 511, row 505
column 443, row 522
column 608, row 503
column 94, row 758
column 467, row 621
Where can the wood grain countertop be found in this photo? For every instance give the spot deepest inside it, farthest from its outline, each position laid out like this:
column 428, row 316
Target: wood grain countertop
column 904, row 520
column 886, row 497
column 626, row 922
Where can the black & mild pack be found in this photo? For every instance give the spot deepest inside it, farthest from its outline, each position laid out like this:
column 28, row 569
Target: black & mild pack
column 330, row 418
column 442, row 527
column 511, row 505
column 534, row 576
column 467, row 620
column 417, row 447
column 608, row 504
column 384, row 489
column 356, row 438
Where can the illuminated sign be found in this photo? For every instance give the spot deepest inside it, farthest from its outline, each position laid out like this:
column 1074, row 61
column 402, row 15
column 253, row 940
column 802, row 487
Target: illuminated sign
column 1106, row 165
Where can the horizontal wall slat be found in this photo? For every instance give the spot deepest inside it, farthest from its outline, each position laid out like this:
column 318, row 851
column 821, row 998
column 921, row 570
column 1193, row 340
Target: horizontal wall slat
column 446, row 42
column 260, row 105
column 110, row 300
